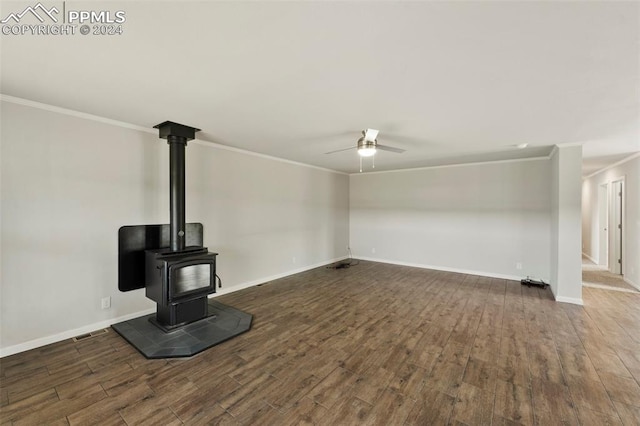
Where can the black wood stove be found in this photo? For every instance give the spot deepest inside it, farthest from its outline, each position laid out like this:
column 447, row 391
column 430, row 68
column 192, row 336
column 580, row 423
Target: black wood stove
column 179, row 278
column 177, row 272
column 179, row 283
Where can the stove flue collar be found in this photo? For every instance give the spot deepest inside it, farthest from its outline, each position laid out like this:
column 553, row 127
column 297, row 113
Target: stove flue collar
column 169, row 128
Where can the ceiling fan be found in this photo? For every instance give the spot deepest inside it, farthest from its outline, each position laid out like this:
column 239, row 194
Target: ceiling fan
column 368, row 145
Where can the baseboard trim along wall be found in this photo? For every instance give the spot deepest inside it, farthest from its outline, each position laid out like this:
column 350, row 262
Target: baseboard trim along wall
column 631, row 283
column 253, row 283
column 589, row 257
column 571, row 300
column 43, row 341
column 443, row 268
column 47, row 340
column 468, row 272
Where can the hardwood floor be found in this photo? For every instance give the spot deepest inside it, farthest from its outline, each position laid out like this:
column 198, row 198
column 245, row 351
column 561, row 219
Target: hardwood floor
column 372, row 344
column 599, row 277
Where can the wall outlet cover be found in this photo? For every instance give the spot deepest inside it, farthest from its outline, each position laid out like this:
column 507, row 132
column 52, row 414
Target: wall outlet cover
column 106, row 302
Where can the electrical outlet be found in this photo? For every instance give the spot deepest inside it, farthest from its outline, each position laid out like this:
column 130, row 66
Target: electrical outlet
column 373, row 250
column 293, row 260
column 106, row 302
column 519, row 266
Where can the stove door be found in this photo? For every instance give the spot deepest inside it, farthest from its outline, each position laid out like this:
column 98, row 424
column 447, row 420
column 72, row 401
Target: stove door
column 191, row 277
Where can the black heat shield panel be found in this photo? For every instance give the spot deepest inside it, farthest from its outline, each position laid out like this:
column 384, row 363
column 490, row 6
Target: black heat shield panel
column 134, row 240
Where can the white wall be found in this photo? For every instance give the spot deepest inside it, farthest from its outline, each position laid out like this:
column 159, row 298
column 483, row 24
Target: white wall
column 565, row 243
column 482, row 218
column 630, row 171
column 69, row 184
column 261, row 214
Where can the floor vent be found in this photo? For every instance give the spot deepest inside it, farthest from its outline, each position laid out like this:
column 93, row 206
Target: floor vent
column 90, row 335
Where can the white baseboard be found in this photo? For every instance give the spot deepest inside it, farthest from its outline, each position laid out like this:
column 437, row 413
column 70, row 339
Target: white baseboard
column 571, row 300
column 47, row 340
column 445, row 268
column 263, row 280
column 590, row 258
column 563, row 299
column 469, row 272
column 631, row 283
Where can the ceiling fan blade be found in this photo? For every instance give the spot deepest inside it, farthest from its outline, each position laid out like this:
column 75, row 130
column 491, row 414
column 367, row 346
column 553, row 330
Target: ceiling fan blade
column 371, row 135
column 390, row 149
column 340, row 150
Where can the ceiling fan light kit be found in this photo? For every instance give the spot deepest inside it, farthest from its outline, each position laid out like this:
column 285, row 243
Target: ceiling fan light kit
column 368, row 146
column 367, row 143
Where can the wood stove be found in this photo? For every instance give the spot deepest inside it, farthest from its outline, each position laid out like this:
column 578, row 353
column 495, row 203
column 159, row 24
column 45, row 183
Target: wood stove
column 177, row 272
column 179, row 278
column 179, row 284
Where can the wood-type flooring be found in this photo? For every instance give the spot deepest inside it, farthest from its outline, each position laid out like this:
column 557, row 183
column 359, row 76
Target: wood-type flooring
column 373, row 344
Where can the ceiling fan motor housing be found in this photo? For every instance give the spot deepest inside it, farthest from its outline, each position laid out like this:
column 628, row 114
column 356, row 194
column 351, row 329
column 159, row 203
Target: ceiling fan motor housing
column 365, row 144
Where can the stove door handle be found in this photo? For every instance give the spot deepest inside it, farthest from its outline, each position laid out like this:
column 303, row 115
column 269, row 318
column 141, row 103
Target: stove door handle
column 219, row 281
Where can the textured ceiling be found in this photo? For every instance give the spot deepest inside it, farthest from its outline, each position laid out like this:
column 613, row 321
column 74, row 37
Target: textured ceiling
column 449, row 82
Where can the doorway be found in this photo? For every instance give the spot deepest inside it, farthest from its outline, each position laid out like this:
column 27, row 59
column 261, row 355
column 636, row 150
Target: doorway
column 608, row 272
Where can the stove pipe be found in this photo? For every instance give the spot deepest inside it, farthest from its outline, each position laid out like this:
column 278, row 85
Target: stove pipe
column 177, row 136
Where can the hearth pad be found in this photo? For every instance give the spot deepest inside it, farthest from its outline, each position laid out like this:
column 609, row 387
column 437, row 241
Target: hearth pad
column 222, row 323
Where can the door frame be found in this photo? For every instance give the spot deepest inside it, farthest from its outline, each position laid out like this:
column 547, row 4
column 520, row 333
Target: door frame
column 603, row 225
column 612, row 225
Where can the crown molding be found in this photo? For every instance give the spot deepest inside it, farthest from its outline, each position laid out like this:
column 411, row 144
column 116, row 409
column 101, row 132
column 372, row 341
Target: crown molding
column 610, row 166
column 118, row 123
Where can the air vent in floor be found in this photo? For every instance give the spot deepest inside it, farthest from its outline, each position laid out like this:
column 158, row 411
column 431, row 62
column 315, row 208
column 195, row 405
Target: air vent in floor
column 90, row 335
